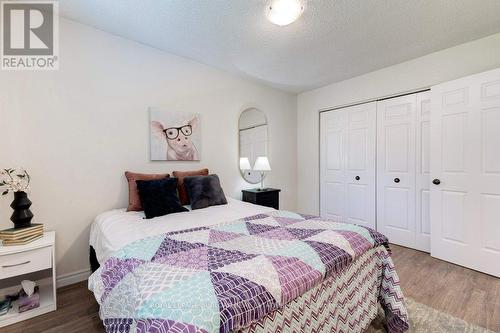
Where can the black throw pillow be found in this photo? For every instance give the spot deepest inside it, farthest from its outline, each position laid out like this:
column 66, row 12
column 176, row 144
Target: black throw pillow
column 159, row 197
column 204, row 191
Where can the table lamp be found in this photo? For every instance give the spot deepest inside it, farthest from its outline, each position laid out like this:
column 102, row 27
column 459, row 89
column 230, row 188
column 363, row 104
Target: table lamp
column 245, row 164
column 262, row 165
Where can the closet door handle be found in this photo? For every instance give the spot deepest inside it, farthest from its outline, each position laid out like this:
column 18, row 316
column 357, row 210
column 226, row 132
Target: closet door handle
column 357, row 178
column 396, row 180
column 436, row 181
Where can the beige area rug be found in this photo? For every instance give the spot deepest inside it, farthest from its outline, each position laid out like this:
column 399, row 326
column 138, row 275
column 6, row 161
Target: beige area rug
column 424, row 319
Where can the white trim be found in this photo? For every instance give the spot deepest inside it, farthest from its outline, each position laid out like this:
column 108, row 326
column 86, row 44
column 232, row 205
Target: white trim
column 71, row 278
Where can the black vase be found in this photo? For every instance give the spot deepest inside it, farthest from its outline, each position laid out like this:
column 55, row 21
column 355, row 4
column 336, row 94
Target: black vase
column 22, row 214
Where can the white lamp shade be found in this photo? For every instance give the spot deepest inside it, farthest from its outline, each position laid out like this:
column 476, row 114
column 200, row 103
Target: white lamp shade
column 262, row 164
column 245, row 163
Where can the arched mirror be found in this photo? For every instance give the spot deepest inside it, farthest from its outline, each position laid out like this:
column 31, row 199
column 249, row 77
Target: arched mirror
column 253, row 142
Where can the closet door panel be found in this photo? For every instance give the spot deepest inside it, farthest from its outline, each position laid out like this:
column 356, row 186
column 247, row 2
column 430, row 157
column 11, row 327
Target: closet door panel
column 360, row 165
column 465, row 204
column 347, row 162
column 334, row 195
column 422, row 181
column 396, row 169
column 397, row 148
column 357, row 196
column 396, row 209
column 489, row 170
column 333, row 128
column 452, row 199
column 357, row 149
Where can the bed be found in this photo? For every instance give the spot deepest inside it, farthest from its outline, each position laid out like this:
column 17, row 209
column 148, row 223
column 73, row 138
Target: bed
column 241, row 268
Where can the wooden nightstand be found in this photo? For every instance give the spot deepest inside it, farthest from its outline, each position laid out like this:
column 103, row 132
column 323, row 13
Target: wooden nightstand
column 269, row 197
column 36, row 262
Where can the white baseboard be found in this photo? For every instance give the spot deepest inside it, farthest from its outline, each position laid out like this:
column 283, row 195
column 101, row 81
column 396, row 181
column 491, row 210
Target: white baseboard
column 71, row 278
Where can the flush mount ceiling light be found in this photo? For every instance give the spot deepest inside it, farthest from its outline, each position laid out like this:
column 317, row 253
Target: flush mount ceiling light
column 284, row 12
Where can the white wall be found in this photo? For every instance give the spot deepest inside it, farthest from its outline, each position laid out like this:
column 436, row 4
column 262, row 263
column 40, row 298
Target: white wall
column 445, row 65
column 78, row 129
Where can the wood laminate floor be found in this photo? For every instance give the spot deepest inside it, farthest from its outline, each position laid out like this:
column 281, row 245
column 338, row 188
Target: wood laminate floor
column 461, row 292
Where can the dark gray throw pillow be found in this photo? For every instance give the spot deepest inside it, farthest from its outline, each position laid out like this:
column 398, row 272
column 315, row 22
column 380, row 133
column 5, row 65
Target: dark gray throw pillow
column 159, row 197
column 204, row 191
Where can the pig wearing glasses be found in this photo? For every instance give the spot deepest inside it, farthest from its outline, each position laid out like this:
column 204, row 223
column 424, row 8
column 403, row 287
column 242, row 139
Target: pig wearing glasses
column 179, row 144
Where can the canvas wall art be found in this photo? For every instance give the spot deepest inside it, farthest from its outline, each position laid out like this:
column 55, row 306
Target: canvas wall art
column 175, row 136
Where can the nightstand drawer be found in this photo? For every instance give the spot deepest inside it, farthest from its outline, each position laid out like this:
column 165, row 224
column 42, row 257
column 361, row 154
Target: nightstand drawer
column 25, row 262
column 267, row 199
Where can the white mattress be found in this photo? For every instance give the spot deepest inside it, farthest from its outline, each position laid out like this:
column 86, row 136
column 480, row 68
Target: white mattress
column 116, row 228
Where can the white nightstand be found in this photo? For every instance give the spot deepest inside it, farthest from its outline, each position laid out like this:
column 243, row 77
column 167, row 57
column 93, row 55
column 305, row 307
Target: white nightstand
column 34, row 261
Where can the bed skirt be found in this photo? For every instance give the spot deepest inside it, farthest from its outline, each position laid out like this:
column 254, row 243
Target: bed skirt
column 347, row 302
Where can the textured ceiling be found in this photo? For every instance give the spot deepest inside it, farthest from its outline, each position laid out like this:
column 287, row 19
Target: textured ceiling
column 333, row 40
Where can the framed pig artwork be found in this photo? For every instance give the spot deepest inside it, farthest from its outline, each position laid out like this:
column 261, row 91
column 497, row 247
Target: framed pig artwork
column 175, row 136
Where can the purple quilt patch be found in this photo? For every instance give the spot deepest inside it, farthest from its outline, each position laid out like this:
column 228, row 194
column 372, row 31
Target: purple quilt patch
column 358, row 243
column 334, row 258
column 216, row 236
column 196, row 258
column 255, row 217
column 304, row 233
column 254, row 229
column 278, row 233
column 165, row 326
column 118, row 325
column 114, row 270
column 186, row 231
column 240, row 300
column 378, row 238
column 171, row 246
column 296, row 277
column 218, row 257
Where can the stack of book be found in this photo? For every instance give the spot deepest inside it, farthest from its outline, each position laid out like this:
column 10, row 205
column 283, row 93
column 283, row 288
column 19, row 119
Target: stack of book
column 21, row 236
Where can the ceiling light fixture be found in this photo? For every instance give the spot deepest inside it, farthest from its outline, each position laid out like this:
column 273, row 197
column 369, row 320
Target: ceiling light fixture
column 284, row 12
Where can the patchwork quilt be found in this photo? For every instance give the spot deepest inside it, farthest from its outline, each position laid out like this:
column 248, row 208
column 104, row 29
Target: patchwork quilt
column 226, row 277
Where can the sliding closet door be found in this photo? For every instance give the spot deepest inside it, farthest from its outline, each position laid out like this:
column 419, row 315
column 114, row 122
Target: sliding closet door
column 396, row 169
column 333, row 132
column 360, row 164
column 422, row 180
column 465, row 167
column 347, row 162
